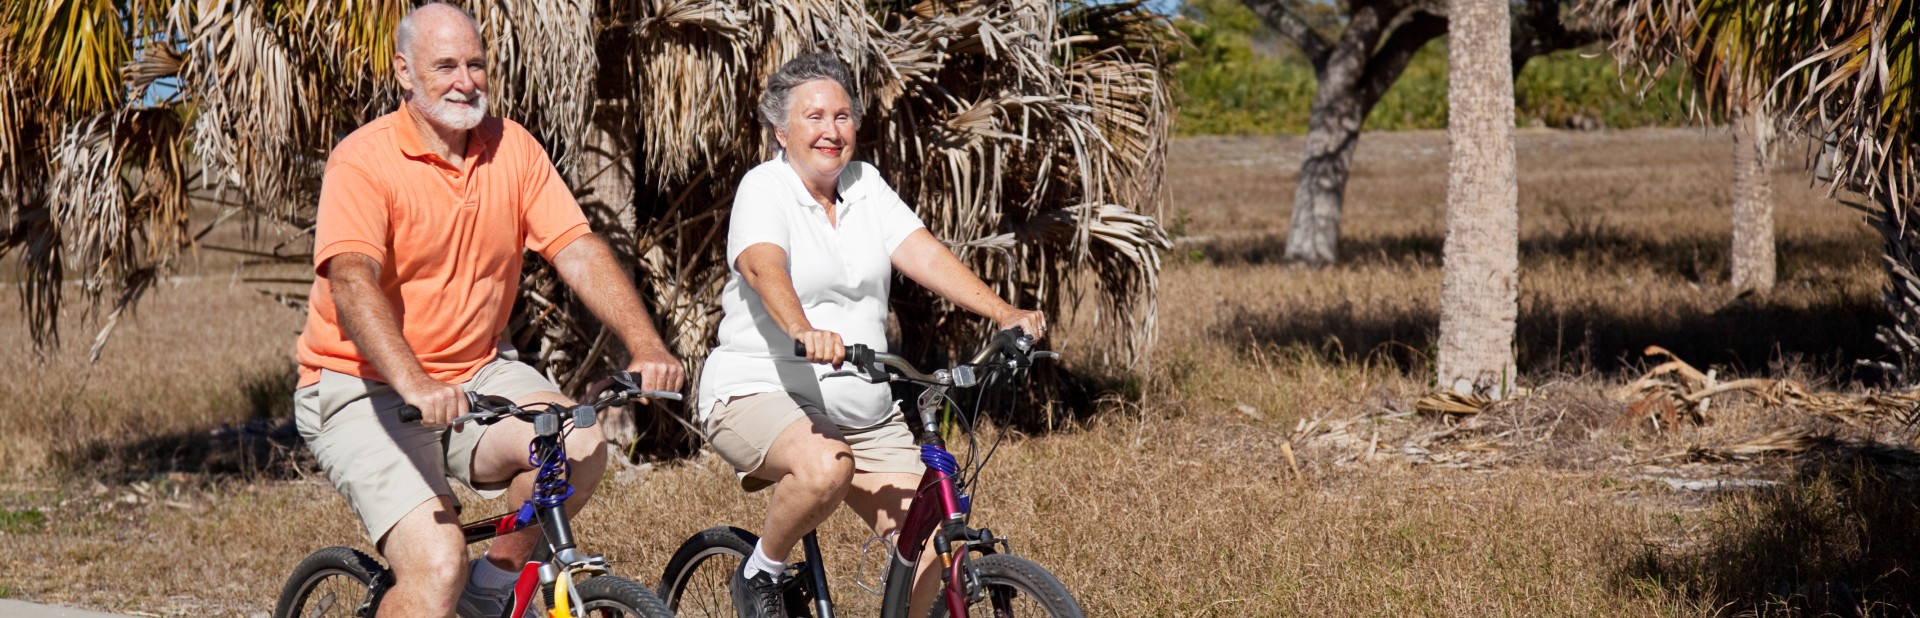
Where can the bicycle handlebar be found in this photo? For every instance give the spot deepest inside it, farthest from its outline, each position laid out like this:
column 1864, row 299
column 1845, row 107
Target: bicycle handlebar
column 490, row 408
column 1013, row 341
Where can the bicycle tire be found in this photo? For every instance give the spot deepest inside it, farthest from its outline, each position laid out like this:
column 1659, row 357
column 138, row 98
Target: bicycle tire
column 609, row 596
column 1015, row 587
column 348, row 583
column 694, row 584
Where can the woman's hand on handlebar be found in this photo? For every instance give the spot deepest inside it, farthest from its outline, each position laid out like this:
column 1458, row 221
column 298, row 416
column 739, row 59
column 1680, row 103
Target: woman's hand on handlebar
column 823, row 346
column 439, row 402
column 1033, row 322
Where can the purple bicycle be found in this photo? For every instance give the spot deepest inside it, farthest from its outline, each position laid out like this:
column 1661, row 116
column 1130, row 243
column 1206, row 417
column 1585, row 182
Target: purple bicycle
column 978, row 571
column 557, row 580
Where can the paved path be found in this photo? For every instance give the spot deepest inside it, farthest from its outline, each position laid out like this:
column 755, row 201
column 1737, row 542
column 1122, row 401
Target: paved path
column 22, row 609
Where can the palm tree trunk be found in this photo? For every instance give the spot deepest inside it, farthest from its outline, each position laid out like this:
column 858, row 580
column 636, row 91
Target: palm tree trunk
column 1479, row 293
column 1752, row 257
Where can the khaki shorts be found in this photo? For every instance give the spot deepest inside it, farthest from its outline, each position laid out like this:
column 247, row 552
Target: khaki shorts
column 384, row 467
column 742, row 429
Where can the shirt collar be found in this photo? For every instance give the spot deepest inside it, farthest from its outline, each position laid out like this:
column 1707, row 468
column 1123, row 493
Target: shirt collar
column 406, row 135
column 850, row 188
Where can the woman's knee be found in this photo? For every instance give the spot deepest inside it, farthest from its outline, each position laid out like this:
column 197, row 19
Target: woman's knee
column 827, row 470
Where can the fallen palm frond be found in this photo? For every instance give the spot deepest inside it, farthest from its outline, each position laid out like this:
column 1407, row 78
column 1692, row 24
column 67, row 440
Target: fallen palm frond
column 1448, row 402
column 1784, row 441
column 1674, row 390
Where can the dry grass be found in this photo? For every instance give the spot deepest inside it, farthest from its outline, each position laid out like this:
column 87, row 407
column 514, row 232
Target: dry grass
column 1180, row 503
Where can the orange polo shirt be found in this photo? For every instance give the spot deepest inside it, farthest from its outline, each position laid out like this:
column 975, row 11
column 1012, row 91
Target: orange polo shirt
column 449, row 240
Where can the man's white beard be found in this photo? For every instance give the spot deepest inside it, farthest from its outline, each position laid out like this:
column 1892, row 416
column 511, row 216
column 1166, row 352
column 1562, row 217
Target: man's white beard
column 449, row 113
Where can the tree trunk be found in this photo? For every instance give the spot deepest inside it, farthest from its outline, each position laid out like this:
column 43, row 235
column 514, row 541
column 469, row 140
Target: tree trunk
column 1332, row 134
column 1340, row 106
column 1479, row 293
column 1752, row 256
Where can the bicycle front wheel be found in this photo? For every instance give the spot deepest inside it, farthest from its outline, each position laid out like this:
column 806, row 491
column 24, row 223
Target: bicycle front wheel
column 336, row 582
column 1011, row 587
column 695, row 582
column 608, row 596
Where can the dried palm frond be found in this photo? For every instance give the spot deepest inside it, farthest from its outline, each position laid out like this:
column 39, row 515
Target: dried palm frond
column 544, row 61
column 1451, row 403
column 77, row 46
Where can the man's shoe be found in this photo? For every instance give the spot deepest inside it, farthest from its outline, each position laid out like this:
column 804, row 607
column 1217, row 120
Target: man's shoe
column 758, row 596
column 476, row 603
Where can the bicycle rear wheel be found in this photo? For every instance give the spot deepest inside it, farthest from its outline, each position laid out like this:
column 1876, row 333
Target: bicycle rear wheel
column 336, row 582
column 1012, row 587
column 694, row 584
column 608, row 596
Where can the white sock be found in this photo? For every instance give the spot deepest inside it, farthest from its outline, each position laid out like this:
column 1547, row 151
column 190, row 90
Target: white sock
column 759, row 563
column 484, row 576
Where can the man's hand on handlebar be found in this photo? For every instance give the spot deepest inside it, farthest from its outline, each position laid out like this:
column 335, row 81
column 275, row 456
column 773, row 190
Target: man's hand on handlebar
column 439, row 402
column 658, row 370
column 824, row 347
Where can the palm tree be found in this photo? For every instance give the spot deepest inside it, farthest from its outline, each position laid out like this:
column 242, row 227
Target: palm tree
column 1713, row 66
column 1479, row 302
column 1839, row 72
column 1752, row 258
column 1029, row 134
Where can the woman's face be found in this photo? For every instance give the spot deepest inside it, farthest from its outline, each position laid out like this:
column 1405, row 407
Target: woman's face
column 818, row 137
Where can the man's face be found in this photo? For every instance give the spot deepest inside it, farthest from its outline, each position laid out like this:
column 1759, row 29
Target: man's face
column 446, row 71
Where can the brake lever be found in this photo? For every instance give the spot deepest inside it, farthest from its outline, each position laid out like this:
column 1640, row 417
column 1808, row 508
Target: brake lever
column 1046, row 354
column 868, row 377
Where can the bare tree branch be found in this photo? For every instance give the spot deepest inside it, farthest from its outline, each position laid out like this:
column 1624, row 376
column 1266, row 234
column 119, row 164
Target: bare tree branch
column 1280, row 16
column 1394, row 54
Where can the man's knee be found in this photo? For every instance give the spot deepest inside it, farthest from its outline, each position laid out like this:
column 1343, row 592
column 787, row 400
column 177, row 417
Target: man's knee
column 426, row 547
column 587, row 444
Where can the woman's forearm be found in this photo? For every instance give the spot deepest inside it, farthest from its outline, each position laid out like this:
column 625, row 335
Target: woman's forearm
column 923, row 259
column 764, row 268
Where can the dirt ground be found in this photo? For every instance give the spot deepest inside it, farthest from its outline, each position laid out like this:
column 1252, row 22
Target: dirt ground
column 1276, row 458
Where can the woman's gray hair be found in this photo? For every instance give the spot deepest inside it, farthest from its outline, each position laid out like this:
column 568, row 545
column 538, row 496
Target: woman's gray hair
column 778, row 100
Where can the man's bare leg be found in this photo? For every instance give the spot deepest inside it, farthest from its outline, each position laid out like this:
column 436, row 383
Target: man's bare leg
column 428, row 556
column 502, row 454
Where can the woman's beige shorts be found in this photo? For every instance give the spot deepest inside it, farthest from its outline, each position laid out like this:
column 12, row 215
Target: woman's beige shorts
column 743, row 428
column 385, row 467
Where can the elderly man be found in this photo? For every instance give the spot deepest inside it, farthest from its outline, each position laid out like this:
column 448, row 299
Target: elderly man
column 424, row 214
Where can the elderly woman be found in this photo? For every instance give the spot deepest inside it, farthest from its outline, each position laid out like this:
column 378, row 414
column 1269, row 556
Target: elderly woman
column 813, row 242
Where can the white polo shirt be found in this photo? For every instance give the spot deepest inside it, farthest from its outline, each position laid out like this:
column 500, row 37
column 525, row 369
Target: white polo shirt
column 841, row 275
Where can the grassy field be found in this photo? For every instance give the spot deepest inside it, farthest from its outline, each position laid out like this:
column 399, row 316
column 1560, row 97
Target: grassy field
column 148, row 482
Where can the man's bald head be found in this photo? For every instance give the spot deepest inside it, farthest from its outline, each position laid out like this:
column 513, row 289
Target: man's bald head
column 441, row 63
column 437, row 19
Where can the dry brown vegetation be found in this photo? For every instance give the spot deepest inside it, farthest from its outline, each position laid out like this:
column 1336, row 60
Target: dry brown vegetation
column 139, row 483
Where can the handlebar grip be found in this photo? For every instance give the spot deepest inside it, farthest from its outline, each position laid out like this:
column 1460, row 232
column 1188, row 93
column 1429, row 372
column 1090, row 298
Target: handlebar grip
column 409, row 414
column 800, row 349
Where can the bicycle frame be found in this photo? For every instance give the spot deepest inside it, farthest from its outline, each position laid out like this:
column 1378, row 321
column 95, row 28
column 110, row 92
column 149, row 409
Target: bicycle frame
column 939, row 509
column 547, row 510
